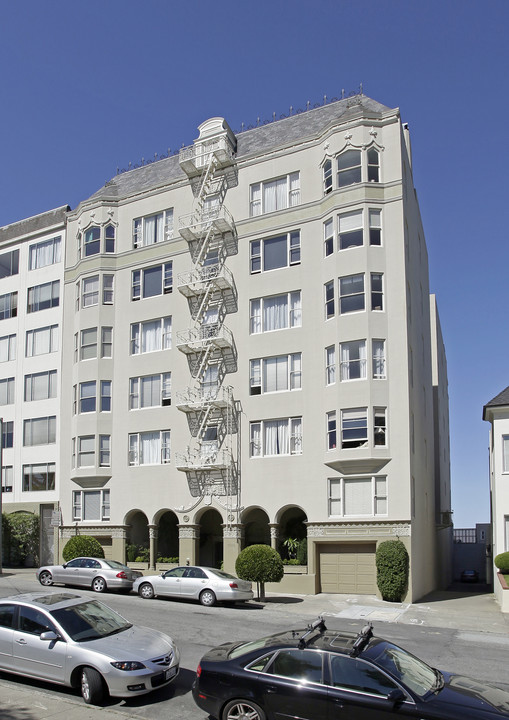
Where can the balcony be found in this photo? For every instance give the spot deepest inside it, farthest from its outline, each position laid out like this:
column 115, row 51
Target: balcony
column 194, row 340
column 196, row 282
column 216, row 219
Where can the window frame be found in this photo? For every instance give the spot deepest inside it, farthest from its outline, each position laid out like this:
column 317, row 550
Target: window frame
column 78, row 505
column 292, row 194
column 135, row 390
column 258, row 252
column 35, row 248
column 27, row 477
column 139, row 228
column 9, row 305
column 379, row 495
column 138, row 284
column 295, row 438
column 135, row 449
column 137, row 340
column 354, row 422
column 258, row 377
column 258, row 313
column 346, row 298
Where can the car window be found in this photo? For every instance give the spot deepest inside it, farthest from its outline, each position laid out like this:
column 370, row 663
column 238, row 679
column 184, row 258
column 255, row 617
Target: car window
column 115, row 564
column 33, row 621
column 7, row 615
column 298, row 664
column 353, row 674
column 195, row 573
column 175, row 572
column 90, row 563
column 77, row 562
column 260, row 664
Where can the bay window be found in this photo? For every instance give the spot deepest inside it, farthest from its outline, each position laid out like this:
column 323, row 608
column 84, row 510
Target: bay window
column 354, row 428
column 353, row 360
column 351, row 292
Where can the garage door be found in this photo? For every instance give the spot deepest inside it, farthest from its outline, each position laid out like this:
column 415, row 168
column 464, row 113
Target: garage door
column 348, row 568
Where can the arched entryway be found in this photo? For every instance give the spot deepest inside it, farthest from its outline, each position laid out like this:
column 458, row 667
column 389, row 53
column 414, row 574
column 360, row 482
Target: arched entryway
column 292, row 532
column 256, row 527
column 210, row 552
column 137, row 540
column 167, row 537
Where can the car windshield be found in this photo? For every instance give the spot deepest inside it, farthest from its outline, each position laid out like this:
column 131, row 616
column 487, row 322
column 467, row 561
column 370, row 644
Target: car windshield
column 412, row 672
column 221, row 574
column 115, row 565
column 89, row 621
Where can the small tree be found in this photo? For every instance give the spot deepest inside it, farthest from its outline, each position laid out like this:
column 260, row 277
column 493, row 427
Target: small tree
column 21, row 537
column 502, row 562
column 392, row 570
column 80, row 545
column 260, row 564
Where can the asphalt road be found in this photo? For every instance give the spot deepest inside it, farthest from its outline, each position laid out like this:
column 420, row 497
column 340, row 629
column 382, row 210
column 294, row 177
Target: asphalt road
column 196, row 629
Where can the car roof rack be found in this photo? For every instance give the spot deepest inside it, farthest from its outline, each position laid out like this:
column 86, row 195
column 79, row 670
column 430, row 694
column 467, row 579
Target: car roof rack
column 318, row 625
column 362, row 640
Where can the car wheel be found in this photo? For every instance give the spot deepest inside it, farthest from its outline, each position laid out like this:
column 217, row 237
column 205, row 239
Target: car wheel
column 242, row 710
column 99, row 584
column 208, row 598
column 146, row 591
column 92, row 686
column 45, row 578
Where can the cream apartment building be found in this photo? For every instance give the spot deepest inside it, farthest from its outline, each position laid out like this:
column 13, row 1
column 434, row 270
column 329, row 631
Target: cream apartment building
column 250, row 353
column 31, row 293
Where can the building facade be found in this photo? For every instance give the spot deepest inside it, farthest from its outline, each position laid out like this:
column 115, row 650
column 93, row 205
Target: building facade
column 31, row 291
column 250, row 354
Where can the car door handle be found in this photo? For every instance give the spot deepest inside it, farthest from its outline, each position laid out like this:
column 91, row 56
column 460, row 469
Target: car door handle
column 271, row 689
column 21, row 641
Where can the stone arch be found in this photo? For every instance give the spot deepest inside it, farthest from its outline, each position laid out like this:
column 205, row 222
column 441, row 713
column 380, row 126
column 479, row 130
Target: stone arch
column 292, row 524
column 137, row 529
column 256, row 527
column 167, row 534
column 210, row 550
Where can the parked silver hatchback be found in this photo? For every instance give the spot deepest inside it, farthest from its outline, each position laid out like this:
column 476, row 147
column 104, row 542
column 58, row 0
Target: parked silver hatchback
column 81, row 643
column 94, row 573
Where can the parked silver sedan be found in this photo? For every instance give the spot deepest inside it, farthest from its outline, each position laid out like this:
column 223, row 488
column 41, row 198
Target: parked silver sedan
column 196, row 583
column 79, row 642
column 95, row 573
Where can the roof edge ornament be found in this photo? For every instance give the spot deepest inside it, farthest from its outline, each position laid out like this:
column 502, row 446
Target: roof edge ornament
column 213, row 128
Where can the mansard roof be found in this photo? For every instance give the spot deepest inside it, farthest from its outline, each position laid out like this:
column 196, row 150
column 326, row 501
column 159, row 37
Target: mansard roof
column 35, row 224
column 258, row 140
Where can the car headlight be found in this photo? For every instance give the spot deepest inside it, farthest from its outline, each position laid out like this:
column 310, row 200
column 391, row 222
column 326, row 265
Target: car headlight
column 128, row 665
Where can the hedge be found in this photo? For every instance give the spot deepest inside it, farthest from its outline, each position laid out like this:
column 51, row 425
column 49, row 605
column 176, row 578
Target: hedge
column 392, row 567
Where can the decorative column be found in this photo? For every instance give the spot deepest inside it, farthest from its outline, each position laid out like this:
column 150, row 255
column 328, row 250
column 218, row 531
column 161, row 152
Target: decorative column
column 152, row 534
column 233, row 536
column 189, row 536
column 274, row 535
column 118, row 538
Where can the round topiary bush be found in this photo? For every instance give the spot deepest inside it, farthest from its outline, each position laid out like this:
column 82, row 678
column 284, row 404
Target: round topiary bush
column 81, row 545
column 392, row 570
column 260, row 564
column 502, row 562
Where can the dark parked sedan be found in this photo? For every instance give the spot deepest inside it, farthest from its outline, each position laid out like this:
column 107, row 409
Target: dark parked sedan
column 316, row 673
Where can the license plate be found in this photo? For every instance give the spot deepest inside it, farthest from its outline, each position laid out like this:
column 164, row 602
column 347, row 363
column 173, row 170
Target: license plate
column 170, row 673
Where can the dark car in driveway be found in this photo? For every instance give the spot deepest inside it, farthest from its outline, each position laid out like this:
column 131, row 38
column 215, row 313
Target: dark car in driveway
column 320, row 674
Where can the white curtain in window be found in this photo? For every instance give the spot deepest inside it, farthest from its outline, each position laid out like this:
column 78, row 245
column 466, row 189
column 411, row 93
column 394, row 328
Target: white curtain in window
column 151, row 336
column 150, row 448
column 345, row 361
column 281, row 193
column 270, row 196
column 275, row 313
column 378, row 359
column 256, row 316
column 294, row 189
column 276, row 437
column 358, row 497
column 150, row 391
column 296, row 309
column 255, row 440
column 275, row 374
column 149, row 234
column 256, row 198
column 44, row 253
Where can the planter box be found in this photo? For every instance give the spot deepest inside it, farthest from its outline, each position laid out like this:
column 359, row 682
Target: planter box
column 296, row 569
column 138, row 565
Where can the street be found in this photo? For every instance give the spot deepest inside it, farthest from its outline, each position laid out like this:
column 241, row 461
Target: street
column 482, row 655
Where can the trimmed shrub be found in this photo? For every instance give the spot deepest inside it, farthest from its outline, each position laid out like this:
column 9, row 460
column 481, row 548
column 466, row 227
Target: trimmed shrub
column 502, row 562
column 81, row 545
column 392, row 565
column 260, row 564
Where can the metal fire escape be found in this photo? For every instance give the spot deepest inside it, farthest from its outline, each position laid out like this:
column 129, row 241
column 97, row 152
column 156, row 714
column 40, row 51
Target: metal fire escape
column 211, row 459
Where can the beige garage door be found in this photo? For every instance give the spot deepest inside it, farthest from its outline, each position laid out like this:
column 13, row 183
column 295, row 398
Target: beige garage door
column 348, row 568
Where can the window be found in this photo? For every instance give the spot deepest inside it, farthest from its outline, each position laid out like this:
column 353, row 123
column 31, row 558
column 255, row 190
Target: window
column 272, row 195
column 7, row 479
column 149, row 448
column 150, row 391
column 353, row 674
column 353, row 360
column 105, row 396
column 505, row 451
column 275, row 374
column 373, row 165
column 39, row 477
column 149, row 282
column 39, row 431
column 380, row 427
column 377, row 292
column 41, row 386
column 375, row 227
column 87, row 397
column 276, row 312
column 47, row 252
column 357, row 496
column 354, row 428
column 351, row 233
column 88, row 343
column 106, row 342
column 331, row 430
column 93, row 505
column 7, row 434
column 91, row 240
column 9, row 263
column 329, row 300
column 275, row 252
column 328, row 237
column 378, row 347
column 104, row 450
column 109, row 239
column 349, row 168
column 351, row 292
column 42, row 297
column 86, row 451
column 8, row 305
column 7, row 348
column 330, row 365
column 151, row 336
column 153, row 229
column 327, row 177
column 7, row 391
column 276, row 437
column 90, row 291
column 108, row 289
column 298, row 664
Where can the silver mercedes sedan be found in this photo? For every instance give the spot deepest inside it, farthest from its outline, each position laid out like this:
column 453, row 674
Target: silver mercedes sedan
column 94, row 573
column 205, row 584
column 81, row 643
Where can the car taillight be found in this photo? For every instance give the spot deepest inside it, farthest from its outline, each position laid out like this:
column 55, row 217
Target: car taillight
column 198, row 670
column 122, row 575
column 234, row 586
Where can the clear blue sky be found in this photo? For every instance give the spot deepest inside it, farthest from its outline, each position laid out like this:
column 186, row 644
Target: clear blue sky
column 88, row 85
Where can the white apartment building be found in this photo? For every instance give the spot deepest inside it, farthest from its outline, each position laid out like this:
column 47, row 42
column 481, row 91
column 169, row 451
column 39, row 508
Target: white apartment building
column 250, row 354
column 31, row 290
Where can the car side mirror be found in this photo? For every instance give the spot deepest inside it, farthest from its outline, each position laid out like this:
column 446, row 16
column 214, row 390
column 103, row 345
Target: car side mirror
column 64, row 565
column 49, row 636
column 396, row 696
